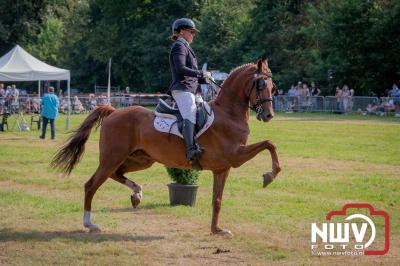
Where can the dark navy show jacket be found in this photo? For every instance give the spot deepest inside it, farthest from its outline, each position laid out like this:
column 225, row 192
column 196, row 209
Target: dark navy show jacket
column 183, row 63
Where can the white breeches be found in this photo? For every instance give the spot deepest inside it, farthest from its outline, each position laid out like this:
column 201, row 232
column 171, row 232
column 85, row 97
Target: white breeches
column 186, row 102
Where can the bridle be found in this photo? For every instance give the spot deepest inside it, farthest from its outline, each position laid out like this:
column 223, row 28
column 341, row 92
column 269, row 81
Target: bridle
column 259, row 84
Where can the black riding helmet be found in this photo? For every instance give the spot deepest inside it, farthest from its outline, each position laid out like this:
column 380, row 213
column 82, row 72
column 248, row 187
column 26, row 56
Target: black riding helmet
column 183, row 23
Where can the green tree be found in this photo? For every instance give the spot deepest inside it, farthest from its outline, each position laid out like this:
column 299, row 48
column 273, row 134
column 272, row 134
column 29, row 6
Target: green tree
column 273, row 32
column 135, row 34
column 222, row 24
column 48, row 42
column 358, row 40
column 20, row 21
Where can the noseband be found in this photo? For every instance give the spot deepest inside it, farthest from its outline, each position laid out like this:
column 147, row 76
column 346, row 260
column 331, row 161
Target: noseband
column 259, row 84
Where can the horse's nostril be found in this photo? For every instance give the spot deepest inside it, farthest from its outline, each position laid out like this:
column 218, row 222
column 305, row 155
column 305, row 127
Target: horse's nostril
column 270, row 116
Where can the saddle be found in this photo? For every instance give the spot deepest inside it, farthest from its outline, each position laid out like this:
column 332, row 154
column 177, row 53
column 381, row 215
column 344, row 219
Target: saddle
column 169, row 120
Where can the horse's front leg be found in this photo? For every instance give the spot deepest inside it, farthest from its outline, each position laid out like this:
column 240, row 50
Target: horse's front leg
column 245, row 153
column 218, row 188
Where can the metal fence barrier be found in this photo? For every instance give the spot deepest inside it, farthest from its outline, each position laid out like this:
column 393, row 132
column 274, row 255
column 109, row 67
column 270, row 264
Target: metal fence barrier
column 80, row 104
column 324, row 104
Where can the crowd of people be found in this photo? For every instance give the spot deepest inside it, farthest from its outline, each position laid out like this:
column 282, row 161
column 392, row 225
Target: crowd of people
column 11, row 102
column 388, row 104
column 300, row 98
column 8, row 98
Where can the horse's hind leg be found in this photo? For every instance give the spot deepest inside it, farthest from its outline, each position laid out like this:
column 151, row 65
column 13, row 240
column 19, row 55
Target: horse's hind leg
column 91, row 187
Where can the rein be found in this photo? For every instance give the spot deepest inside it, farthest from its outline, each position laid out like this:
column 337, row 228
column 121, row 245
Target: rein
column 259, row 84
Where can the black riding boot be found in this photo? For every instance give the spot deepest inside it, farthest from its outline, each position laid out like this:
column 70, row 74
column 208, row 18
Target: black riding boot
column 193, row 151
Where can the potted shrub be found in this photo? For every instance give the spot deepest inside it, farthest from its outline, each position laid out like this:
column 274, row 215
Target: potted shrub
column 184, row 190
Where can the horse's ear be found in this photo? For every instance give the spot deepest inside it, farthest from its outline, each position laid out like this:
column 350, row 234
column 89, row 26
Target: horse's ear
column 259, row 65
column 262, row 65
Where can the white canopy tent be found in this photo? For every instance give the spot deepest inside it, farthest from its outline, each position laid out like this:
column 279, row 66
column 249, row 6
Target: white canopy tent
column 19, row 65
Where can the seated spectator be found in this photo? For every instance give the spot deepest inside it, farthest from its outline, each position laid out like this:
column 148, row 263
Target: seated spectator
column 373, row 108
column 35, row 104
column 26, row 104
column 77, row 106
column 92, row 102
column 63, row 105
column 388, row 105
column 102, row 100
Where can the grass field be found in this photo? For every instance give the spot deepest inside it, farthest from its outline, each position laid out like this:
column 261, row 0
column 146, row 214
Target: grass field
column 327, row 161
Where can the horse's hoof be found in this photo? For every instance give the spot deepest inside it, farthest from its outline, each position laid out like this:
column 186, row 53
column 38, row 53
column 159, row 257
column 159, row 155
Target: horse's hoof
column 135, row 200
column 223, row 232
column 92, row 228
column 267, row 179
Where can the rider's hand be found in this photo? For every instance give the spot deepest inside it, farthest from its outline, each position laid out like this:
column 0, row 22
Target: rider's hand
column 207, row 75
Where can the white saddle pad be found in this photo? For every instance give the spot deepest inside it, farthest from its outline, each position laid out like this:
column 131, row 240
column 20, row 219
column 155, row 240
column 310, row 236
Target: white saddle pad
column 167, row 123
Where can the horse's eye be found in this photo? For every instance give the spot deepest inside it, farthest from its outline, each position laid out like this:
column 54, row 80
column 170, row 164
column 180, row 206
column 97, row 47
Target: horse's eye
column 261, row 84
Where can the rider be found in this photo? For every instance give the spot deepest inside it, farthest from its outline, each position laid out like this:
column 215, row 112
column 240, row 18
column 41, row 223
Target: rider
column 185, row 81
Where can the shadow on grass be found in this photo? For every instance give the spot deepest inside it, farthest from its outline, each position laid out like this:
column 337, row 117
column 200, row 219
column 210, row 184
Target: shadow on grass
column 147, row 206
column 81, row 236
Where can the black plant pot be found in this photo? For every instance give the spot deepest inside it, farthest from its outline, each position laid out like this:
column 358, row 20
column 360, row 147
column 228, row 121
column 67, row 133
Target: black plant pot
column 182, row 194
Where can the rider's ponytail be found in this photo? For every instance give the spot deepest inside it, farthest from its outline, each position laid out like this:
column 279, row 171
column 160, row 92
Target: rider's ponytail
column 174, row 36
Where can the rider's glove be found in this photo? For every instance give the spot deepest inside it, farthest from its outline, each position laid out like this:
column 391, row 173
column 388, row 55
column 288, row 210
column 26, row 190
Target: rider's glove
column 207, row 75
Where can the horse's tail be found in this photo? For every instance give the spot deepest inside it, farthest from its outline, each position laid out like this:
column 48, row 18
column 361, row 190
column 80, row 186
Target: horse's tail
column 71, row 153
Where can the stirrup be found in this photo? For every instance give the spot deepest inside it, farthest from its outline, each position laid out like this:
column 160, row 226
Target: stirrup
column 195, row 153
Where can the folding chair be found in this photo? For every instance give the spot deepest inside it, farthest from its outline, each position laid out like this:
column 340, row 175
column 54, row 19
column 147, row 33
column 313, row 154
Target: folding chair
column 36, row 118
column 4, row 121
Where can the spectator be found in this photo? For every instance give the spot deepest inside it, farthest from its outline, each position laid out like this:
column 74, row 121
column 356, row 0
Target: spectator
column 338, row 99
column 127, row 95
column 296, row 101
column 346, row 98
column 388, row 105
column 77, row 106
column 373, row 108
column 351, row 99
column 304, row 97
column 292, row 97
column 102, row 100
column 315, row 92
column 395, row 94
column 26, row 104
column 63, row 105
column 50, row 104
column 7, row 99
column 35, row 104
column 92, row 102
column 292, row 91
column 280, row 100
column 2, row 98
column 13, row 96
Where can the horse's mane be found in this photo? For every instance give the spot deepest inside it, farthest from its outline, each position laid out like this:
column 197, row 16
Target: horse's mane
column 235, row 70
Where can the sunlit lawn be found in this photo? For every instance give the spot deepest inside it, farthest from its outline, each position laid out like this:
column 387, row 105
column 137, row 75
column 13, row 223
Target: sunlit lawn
column 327, row 161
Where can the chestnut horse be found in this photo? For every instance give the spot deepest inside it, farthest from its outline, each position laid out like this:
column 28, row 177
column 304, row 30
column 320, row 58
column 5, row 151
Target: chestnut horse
column 129, row 142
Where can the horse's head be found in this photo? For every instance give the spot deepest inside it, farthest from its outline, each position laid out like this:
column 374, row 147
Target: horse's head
column 261, row 92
